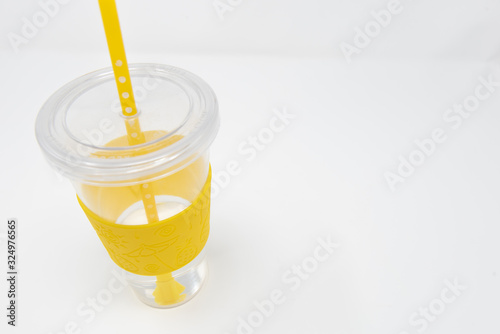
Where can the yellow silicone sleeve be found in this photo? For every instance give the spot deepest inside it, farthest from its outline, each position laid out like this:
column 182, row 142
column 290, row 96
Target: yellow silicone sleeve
column 161, row 247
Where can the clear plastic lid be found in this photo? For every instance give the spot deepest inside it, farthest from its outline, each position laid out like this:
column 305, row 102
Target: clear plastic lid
column 78, row 127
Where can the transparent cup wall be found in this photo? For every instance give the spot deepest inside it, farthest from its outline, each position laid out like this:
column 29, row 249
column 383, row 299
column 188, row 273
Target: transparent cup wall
column 123, row 204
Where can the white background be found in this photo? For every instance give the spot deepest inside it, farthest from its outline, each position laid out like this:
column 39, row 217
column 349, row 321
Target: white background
column 322, row 176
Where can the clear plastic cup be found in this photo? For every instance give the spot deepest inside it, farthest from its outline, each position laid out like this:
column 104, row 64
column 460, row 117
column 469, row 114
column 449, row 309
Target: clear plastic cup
column 82, row 134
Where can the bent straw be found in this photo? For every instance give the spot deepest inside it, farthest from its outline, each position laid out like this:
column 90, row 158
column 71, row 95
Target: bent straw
column 168, row 291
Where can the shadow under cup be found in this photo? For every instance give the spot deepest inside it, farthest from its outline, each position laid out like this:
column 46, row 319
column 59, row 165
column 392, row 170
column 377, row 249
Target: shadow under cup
column 82, row 133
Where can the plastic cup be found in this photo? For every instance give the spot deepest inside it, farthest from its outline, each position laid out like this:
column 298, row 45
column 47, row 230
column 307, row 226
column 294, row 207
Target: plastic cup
column 81, row 132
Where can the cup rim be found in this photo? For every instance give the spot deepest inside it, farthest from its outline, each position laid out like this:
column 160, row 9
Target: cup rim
column 61, row 148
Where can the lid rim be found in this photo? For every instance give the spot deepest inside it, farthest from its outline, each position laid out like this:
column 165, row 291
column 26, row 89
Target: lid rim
column 60, row 148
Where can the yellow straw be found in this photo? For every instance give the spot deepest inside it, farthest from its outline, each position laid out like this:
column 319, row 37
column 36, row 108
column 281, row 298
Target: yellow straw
column 120, row 69
column 167, row 291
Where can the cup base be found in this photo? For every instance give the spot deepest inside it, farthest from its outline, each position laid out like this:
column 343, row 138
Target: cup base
column 192, row 277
